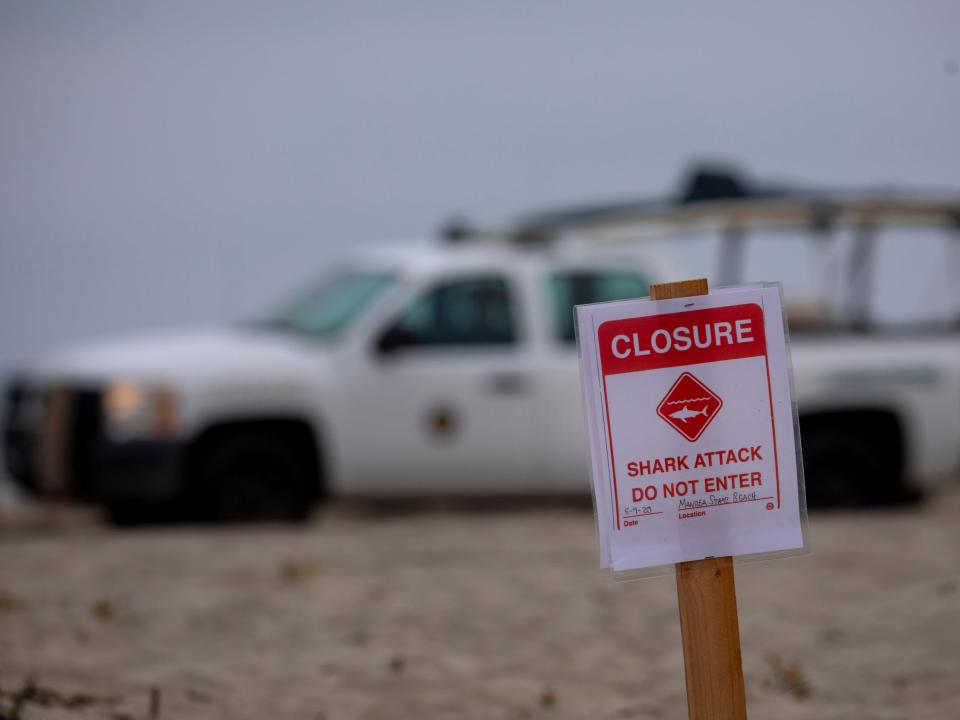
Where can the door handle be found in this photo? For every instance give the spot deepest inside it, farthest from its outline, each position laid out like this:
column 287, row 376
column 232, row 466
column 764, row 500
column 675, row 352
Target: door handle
column 509, row 382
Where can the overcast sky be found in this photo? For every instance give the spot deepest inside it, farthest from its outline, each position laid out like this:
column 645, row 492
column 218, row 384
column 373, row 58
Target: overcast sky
column 186, row 161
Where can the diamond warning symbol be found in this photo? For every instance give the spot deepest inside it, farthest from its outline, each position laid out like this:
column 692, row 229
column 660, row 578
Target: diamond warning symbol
column 689, row 406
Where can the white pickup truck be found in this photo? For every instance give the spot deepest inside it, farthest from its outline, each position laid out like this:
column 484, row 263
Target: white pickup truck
column 452, row 370
column 435, row 371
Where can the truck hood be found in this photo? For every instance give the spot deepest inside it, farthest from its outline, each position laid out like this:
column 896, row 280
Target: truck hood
column 185, row 356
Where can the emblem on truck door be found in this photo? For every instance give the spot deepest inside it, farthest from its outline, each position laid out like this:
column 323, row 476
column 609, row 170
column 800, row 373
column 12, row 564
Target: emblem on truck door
column 689, row 406
column 442, row 421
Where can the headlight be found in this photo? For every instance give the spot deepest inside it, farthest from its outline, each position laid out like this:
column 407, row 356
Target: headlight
column 133, row 410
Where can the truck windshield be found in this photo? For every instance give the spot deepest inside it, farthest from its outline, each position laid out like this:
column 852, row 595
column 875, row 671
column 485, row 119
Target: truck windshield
column 330, row 306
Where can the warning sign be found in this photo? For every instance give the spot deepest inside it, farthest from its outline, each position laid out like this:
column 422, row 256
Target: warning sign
column 689, row 406
column 692, row 427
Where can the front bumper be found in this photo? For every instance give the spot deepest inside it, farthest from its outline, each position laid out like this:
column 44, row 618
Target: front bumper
column 54, row 445
column 143, row 470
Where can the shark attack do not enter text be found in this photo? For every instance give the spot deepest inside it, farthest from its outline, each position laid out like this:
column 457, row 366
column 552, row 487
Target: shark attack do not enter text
column 713, row 458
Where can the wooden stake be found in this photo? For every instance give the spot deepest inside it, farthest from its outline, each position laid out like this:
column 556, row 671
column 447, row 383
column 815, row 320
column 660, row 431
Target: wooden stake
column 708, row 608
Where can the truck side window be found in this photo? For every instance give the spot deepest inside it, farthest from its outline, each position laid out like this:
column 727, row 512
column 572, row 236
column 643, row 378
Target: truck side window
column 914, row 277
column 578, row 287
column 807, row 266
column 470, row 311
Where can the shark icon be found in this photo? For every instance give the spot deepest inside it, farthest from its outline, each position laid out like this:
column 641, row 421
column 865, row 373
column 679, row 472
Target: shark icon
column 698, row 406
column 686, row 413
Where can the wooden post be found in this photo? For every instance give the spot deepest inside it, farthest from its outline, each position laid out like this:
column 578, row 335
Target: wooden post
column 708, row 608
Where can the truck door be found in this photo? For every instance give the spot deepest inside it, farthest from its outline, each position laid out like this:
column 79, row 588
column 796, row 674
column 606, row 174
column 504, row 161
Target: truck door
column 447, row 408
column 563, row 453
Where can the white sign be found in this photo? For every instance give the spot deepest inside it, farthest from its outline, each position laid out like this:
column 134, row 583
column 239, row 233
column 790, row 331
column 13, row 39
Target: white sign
column 691, row 425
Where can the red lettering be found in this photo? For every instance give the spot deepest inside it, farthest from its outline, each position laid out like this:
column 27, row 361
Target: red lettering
column 648, row 492
column 679, row 488
column 681, row 338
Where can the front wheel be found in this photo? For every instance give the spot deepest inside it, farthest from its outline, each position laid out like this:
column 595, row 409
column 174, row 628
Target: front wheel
column 254, row 476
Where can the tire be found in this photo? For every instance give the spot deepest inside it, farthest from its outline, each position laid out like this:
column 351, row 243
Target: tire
column 253, row 476
column 843, row 468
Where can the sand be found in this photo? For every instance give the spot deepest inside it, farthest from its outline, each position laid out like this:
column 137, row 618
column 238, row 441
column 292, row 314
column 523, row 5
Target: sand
column 458, row 614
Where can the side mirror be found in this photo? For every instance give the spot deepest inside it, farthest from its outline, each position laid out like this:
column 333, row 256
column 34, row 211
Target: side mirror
column 395, row 339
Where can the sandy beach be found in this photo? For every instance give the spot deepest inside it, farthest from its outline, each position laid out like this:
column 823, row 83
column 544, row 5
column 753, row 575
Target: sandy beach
column 448, row 613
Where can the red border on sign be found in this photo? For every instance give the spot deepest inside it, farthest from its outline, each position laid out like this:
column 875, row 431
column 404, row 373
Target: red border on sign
column 773, row 428
column 613, row 461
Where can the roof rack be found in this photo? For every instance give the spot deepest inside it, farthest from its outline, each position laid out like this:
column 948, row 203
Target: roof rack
column 721, row 201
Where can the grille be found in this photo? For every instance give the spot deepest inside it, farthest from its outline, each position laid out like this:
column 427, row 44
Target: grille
column 20, row 427
column 51, row 448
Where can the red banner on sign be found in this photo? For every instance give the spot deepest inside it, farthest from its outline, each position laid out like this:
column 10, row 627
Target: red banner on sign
column 681, row 338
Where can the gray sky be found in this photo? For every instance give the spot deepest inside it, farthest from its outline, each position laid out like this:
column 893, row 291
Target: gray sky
column 184, row 161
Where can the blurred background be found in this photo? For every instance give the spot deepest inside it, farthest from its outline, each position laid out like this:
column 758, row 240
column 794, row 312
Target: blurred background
column 178, row 164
